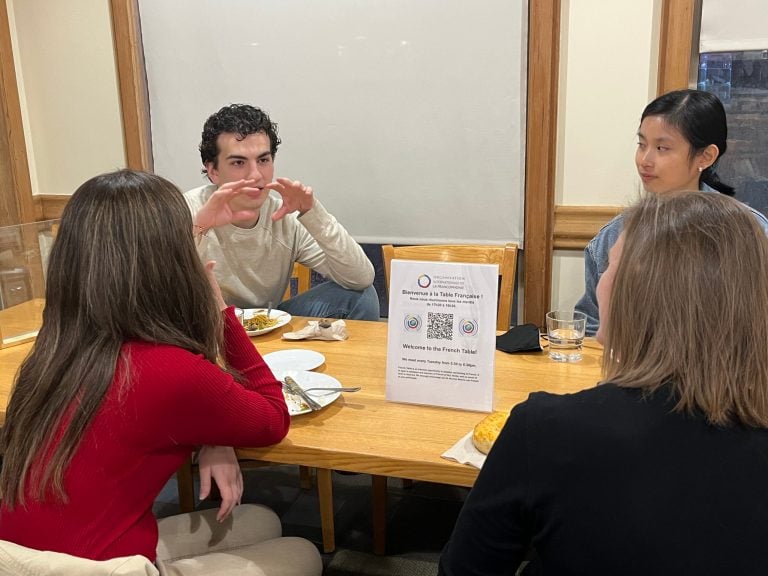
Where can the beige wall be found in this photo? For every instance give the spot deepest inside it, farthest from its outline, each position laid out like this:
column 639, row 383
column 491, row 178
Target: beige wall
column 607, row 75
column 608, row 67
column 68, row 89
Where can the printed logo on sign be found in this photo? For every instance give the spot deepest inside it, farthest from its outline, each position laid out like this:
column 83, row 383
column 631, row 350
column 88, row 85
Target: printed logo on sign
column 468, row 327
column 412, row 323
column 424, row 281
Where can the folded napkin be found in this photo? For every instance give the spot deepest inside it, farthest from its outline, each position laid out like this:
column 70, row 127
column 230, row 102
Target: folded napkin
column 320, row 330
column 523, row 338
column 464, row 452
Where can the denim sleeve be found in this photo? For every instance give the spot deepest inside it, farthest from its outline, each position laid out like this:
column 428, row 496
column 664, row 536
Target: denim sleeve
column 761, row 219
column 588, row 302
column 595, row 263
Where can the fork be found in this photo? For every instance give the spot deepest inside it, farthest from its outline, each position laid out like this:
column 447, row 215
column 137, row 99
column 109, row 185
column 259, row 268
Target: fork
column 299, row 391
column 329, row 390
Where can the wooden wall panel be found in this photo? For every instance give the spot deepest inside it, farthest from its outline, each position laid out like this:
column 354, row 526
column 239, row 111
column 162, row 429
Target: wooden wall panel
column 679, row 23
column 575, row 226
column 541, row 153
column 16, row 205
column 134, row 99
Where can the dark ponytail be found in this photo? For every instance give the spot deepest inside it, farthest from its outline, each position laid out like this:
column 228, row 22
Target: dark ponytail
column 700, row 118
column 710, row 177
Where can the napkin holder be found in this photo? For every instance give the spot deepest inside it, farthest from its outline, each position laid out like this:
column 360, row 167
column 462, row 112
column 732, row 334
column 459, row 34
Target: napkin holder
column 320, row 330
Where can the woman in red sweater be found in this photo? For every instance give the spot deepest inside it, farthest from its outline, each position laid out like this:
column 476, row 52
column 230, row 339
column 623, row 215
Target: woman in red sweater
column 138, row 363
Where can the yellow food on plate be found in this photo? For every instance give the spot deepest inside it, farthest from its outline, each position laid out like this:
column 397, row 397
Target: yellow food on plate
column 259, row 322
column 487, row 430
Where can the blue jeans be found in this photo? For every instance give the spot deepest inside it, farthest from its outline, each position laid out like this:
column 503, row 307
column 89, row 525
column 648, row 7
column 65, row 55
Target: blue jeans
column 329, row 300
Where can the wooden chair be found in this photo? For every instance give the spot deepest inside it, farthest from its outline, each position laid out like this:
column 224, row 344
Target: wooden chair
column 505, row 256
column 303, row 275
column 185, row 474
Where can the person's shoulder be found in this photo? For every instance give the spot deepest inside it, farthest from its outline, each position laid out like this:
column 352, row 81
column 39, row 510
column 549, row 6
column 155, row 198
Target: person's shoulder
column 598, row 394
column 612, row 228
column 158, row 357
column 564, row 410
column 760, row 217
column 196, row 197
column 150, row 364
column 607, row 235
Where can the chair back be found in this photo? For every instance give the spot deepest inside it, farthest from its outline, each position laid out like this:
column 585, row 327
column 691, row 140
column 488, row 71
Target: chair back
column 504, row 256
column 302, row 274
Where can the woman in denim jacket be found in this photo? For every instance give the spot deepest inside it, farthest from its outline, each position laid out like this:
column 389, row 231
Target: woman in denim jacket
column 681, row 138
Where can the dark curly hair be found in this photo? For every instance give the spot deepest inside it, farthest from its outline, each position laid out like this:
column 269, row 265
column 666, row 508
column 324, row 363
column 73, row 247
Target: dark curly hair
column 240, row 119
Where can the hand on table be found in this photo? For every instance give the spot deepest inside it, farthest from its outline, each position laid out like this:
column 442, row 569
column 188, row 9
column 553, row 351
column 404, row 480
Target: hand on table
column 296, row 197
column 220, row 463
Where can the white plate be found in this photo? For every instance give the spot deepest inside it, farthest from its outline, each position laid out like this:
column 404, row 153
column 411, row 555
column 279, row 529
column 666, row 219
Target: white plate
column 294, row 359
column 306, row 380
column 282, row 319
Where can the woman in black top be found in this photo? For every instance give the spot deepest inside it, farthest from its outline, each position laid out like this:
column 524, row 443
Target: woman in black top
column 663, row 468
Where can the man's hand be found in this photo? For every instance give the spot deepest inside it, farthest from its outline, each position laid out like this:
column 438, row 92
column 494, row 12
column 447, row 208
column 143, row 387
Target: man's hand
column 220, row 463
column 217, row 210
column 296, row 197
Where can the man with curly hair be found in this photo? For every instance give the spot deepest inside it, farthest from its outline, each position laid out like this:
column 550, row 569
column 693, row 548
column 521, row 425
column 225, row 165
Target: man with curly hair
column 255, row 254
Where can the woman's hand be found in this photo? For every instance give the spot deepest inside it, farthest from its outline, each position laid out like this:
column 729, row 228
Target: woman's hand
column 217, row 210
column 220, row 463
column 209, row 266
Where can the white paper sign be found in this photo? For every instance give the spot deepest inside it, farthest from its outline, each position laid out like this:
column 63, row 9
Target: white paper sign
column 442, row 334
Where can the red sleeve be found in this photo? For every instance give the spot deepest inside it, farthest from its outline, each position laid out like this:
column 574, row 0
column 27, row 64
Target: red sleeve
column 181, row 398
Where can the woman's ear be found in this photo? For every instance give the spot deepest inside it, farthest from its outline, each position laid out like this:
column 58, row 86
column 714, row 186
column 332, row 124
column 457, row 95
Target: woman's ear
column 708, row 156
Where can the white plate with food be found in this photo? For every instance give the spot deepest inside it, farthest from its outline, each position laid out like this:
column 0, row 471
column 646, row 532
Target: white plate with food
column 294, row 359
column 307, row 380
column 256, row 321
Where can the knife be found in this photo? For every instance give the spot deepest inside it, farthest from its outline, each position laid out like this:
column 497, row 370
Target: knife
column 294, row 388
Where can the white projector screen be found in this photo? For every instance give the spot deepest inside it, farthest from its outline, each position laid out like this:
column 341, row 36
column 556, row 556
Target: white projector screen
column 407, row 117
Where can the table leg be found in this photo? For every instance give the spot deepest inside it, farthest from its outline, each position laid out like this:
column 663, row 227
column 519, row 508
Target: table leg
column 379, row 485
column 305, row 477
column 325, row 498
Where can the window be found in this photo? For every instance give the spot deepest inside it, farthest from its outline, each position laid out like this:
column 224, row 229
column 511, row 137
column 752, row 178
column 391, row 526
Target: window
column 740, row 79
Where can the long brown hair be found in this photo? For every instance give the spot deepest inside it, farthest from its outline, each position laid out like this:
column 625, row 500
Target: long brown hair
column 123, row 267
column 689, row 306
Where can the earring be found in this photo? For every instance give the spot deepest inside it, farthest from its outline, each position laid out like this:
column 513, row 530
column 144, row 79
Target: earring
column 701, row 169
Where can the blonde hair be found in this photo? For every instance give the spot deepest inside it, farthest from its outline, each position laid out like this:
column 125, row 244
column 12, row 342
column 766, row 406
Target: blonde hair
column 689, row 307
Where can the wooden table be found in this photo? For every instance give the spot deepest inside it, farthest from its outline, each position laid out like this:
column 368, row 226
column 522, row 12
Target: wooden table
column 19, row 324
column 363, row 432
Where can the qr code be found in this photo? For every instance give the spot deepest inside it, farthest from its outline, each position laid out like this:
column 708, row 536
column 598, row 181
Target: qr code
column 439, row 326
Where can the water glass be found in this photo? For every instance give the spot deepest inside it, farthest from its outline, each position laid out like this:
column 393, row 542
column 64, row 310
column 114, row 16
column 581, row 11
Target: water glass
column 565, row 331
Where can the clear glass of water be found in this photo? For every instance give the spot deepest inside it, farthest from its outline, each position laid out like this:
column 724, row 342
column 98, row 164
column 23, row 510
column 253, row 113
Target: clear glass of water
column 565, row 331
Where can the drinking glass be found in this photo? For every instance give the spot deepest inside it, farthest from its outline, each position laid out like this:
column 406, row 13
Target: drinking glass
column 565, row 331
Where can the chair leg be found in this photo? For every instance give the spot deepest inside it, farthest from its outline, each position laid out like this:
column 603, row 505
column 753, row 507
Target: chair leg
column 305, row 477
column 186, row 487
column 379, row 489
column 325, row 499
